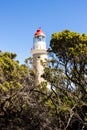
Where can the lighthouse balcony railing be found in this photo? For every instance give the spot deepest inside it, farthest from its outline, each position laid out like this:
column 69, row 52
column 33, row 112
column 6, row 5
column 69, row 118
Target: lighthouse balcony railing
column 36, row 51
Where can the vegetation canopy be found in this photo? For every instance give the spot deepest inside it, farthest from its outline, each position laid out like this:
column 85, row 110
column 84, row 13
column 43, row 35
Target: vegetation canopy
column 69, row 49
column 25, row 106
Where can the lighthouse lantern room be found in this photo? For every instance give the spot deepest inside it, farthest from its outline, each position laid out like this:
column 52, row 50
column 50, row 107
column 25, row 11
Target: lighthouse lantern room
column 39, row 41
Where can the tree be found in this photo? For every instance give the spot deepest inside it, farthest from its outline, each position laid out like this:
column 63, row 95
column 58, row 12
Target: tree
column 68, row 78
column 12, row 76
column 71, row 50
column 20, row 106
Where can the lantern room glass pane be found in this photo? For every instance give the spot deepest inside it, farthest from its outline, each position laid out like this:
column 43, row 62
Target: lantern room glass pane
column 39, row 38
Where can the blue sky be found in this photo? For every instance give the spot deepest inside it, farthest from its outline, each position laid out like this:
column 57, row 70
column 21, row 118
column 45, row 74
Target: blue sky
column 19, row 20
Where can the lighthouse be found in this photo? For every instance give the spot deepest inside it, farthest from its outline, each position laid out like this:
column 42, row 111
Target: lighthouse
column 39, row 53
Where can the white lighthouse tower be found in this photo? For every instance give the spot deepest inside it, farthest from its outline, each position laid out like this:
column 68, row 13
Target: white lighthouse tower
column 39, row 53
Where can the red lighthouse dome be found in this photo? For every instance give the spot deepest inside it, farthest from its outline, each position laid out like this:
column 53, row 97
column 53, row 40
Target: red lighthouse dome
column 39, row 32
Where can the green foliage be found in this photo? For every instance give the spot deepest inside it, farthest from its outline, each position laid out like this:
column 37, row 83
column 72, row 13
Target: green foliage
column 69, row 54
column 20, row 105
column 71, row 50
column 68, row 45
column 25, row 106
column 11, row 73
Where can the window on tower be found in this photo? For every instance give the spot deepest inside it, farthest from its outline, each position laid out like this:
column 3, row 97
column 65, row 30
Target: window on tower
column 39, row 38
column 38, row 57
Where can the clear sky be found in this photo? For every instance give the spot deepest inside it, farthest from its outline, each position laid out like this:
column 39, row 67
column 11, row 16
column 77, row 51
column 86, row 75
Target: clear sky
column 19, row 20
